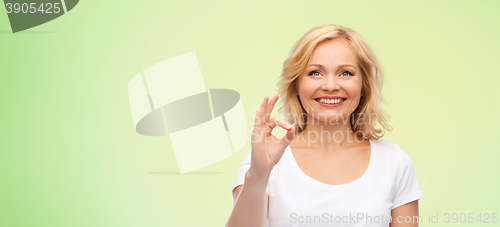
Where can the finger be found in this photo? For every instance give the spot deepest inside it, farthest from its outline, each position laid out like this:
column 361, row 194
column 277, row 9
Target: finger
column 288, row 138
column 259, row 115
column 257, row 118
column 270, row 106
column 257, row 136
column 273, row 122
column 276, row 121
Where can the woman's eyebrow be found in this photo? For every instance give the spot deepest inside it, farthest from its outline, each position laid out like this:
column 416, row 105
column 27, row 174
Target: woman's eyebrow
column 340, row 66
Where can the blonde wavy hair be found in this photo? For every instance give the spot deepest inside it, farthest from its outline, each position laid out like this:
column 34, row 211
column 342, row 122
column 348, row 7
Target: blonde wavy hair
column 372, row 78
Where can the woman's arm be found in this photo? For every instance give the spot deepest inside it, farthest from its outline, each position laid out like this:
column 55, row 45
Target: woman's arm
column 250, row 207
column 250, row 201
column 405, row 215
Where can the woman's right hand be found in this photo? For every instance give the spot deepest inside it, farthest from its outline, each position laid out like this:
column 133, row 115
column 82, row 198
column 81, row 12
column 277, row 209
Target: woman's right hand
column 267, row 149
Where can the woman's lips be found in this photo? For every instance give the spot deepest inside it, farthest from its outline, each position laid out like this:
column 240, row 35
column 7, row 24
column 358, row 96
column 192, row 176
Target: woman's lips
column 330, row 105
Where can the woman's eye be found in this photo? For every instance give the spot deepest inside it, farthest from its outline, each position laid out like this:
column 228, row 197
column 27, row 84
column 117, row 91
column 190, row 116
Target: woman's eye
column 347, row 73
column 314, row 73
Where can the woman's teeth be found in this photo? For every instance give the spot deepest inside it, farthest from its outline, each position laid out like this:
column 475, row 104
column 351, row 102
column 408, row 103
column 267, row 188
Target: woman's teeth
column 330, row 101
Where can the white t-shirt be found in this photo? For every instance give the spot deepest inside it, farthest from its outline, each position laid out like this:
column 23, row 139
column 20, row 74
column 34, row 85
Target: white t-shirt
column 295, row 199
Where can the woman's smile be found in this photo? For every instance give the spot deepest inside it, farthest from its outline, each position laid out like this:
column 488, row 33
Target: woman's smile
column 330, row 101
column 331, row 81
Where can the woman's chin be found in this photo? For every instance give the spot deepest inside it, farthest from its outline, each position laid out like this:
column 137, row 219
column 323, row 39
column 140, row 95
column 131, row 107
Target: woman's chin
column 329, row 118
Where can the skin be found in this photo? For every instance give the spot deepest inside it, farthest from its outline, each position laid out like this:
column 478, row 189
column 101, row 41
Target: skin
column 324, row 75
column 336, row 158
column 331, row 158
column 251, row 200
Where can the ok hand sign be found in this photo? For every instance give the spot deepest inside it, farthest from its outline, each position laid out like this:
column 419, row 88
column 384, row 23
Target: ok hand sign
column 267, row 149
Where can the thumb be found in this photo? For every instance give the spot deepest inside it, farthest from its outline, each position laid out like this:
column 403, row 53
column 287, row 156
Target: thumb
column 288, row 138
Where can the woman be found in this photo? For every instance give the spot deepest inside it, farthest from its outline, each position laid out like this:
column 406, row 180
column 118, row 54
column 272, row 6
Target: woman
column 331, row 166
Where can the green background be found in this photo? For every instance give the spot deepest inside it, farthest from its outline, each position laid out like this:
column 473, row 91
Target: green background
column 70, row 155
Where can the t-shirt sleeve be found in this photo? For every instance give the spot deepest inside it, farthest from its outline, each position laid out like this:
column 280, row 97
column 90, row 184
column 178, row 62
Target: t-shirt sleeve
column 240, row 178
column 407, row 186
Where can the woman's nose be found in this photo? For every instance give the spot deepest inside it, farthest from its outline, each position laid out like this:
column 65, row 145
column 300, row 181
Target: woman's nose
column 331, row 83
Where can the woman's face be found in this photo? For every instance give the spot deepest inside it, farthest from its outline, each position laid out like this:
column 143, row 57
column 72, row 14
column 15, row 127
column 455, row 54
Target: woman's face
column 332, row 75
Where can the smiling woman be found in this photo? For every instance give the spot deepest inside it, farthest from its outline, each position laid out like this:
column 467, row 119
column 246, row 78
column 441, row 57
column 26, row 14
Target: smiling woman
column 334, row 161
column 350, row 58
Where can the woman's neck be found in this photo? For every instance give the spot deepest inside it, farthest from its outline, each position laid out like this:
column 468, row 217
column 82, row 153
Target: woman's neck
column 328, row 136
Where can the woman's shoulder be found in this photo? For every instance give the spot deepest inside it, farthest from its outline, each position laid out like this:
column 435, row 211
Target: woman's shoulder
column 388, row 146
column 389, row 151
